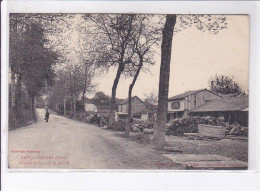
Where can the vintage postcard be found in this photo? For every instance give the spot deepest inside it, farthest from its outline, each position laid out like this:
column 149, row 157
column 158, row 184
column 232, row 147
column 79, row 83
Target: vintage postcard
column 128, row 91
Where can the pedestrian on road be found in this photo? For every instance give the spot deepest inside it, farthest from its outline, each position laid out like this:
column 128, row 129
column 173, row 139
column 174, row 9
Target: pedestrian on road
column 47, row 114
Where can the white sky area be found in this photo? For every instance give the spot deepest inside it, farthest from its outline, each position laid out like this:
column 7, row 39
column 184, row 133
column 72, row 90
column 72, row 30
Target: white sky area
column 196, row 56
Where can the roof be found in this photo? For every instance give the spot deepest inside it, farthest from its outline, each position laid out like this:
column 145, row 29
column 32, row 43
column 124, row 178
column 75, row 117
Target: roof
column 230, row 95
column 88, row 101
column 103, row 106
column 185, row 94
column 224, row 104
column 126, row 100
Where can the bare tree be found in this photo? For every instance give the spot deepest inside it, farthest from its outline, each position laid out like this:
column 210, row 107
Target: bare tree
column 151, row 98
column 112, row 37
column 145, row 36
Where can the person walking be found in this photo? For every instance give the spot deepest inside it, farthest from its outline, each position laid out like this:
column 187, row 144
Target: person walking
column 47, row 114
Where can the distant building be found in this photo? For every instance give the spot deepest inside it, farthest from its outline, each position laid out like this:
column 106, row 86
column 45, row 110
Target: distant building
column 89, row 107
column 137, row 106
column 180, row 105
column 103, row 109
column 97, row 108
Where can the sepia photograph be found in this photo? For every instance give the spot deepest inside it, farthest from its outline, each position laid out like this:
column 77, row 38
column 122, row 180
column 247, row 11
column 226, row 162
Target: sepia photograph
column 128, row 91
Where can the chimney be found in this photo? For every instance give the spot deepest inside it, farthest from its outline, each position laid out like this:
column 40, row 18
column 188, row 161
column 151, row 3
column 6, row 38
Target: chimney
column 211, row 85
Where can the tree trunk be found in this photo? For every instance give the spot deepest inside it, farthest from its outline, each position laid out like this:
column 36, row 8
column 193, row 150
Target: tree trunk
column 71, row 107
column 113, row 96
column 12, row 115
column 18, row 98
column 64, row 107
column 120, row 69
column 129, row 115
column 83, row 102
column 159, row 132
column 74, row 105
column 33, row 108
column 84, row 110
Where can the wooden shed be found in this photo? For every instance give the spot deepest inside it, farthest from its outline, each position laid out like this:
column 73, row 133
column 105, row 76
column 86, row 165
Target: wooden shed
column 234, row 109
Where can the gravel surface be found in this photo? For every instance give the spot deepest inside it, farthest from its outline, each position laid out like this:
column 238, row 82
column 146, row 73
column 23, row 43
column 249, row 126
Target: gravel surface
column 236, row 149
column 68, row 144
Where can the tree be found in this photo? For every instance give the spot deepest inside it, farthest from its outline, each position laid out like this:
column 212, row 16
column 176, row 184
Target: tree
column 71, row 81
column 87, row 78
column 159, row 132
column 213, row 24
column 31, row 62
column 101, row 98
column 85, row 75
column 145, row 36
column 151, row 98
column 38, row 70
column 112, row 48
column 85, row 59
column 222, row 84
column 59, row 91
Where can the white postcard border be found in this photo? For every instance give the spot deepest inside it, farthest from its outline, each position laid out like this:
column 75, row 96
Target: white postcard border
column 104, row 179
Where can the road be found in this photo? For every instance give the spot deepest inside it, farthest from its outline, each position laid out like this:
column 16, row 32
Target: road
column 70, row 144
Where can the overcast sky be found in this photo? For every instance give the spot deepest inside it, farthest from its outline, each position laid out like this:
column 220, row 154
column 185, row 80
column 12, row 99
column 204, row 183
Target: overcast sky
column 196, row 56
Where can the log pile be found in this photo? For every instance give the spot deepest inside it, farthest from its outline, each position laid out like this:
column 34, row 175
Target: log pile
column 140, row 125
column 176, row 127
column 236, row 130
column 96, row 119
column 190, row 125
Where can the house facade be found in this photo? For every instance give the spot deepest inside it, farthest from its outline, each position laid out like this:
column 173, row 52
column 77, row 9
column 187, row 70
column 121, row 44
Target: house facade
column 181, row 105
column 103, row 109
column 137, row 106
column 90, row 107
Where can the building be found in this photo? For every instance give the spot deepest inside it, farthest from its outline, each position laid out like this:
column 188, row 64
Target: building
column 180, row 105
column 233, row 109
column 137, row 106
column 89, row 107
column 103, row 109
column 97, row 108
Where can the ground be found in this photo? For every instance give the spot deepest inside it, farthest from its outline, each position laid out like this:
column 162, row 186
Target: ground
column 66, row 143
column 235, row 149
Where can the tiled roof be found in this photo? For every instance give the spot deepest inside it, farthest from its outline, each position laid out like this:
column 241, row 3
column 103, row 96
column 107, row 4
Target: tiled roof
column 126, row 100
column 224, row 104
column 183, row 95
column 103, row 106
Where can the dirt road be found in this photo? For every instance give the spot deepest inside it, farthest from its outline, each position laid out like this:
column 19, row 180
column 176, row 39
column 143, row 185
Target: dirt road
column 66, row 143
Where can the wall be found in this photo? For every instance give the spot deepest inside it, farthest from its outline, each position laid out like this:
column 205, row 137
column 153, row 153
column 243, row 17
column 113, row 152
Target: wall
column 90, row 107
column 170, row 109
column 202, row 98
column 123, row 108
column 137, row 106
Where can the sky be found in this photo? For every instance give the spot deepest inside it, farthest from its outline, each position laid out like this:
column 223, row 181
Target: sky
column 196, row 56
